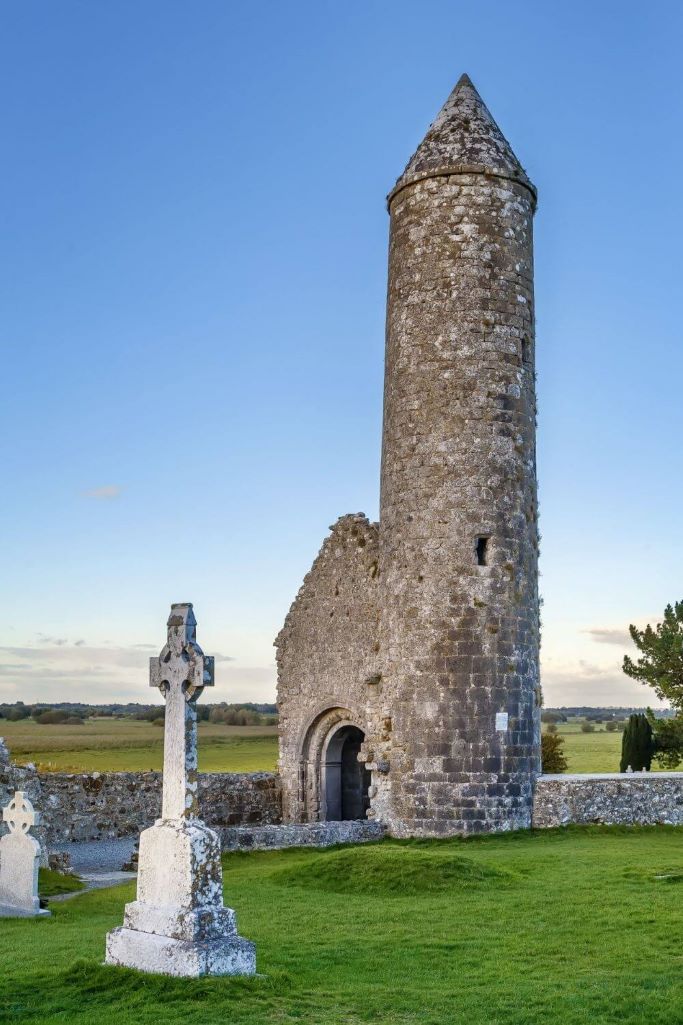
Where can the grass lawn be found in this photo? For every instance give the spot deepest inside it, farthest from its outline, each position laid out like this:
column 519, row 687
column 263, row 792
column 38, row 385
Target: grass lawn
column 51, row 883
column 580, row 927
column 125, row 745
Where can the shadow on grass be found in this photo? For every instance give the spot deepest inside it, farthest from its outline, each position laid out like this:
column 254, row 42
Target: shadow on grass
column 118, row 991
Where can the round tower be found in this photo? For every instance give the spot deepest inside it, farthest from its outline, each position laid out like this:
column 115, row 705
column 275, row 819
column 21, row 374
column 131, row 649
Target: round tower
column 459, row 633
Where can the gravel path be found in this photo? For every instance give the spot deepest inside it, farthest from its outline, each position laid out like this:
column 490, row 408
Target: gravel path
column 98, row 857
column 95, row 882
column 99, row 863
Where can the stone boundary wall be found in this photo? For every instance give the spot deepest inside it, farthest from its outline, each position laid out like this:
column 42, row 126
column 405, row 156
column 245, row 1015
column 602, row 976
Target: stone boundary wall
column 246, row 808
column 107, row 805
column 313, row 834
column 619, row 799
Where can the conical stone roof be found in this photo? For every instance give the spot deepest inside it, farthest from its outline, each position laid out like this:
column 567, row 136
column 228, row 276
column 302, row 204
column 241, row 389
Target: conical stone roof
column 463, row 139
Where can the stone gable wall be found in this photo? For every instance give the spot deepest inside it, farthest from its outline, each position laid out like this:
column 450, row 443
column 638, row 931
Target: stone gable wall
column 327, row 656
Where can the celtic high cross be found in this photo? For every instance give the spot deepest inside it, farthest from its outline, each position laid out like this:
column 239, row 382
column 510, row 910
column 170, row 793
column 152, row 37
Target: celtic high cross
column 180, row 672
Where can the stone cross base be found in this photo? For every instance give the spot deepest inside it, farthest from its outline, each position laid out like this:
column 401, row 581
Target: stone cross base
column 178, row 925
column 163, row 955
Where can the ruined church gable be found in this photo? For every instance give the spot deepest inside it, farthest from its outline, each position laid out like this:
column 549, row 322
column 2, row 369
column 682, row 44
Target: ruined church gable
column 331, row 628
column 327, row 651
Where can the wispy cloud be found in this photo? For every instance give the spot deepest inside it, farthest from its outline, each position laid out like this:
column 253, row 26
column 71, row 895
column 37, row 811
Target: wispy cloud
column 607, row 635
column 45, row 639
column 591, row 685
column 80, row 672
column 105, row 493
column 74, row 655
column 218, row 657
column 45, row 673
column 584, row 682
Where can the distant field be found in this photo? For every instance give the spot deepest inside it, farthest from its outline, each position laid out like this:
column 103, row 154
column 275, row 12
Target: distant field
column 125, row 745
column 592, row 752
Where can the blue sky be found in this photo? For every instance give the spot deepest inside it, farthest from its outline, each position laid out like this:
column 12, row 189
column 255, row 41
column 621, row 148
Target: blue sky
column 193, row 268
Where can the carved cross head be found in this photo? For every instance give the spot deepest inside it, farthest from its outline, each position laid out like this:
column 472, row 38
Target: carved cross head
column 181, row 662
column 19, row 814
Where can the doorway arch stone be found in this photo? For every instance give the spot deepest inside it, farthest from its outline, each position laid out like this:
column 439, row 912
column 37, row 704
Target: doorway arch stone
column 333, row 783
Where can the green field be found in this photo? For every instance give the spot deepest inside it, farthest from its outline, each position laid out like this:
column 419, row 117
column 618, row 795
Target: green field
column 591, row 752
column 578, row 926
column 126, row 745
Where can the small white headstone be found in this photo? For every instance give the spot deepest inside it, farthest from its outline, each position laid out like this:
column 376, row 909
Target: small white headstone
column 19, row 861
column 501, row 721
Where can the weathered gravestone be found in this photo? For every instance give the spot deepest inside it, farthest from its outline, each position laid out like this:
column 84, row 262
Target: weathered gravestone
column 178, row 924
column 19, row 861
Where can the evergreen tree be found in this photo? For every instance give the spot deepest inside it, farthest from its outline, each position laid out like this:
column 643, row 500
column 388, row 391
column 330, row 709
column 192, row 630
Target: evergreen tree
column 552, row 755
column 661, row 663
column 668, row 737
column 637, row 744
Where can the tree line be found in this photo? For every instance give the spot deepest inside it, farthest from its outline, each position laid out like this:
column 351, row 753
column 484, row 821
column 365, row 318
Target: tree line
column 72, row 713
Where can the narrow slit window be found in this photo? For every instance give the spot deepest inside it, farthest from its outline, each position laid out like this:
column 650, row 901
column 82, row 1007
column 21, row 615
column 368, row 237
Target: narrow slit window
column 525, row 349
column 482, row 549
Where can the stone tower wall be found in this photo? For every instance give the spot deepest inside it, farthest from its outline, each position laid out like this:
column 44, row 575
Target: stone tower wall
column 434, row 654
column 327, row 659
column 459, row 640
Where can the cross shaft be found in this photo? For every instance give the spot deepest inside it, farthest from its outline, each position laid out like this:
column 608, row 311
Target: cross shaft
column 181, row 672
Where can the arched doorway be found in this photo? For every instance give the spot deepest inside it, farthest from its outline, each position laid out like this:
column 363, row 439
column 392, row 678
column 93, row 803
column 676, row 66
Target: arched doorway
column 346, row 779
column 332, row 784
